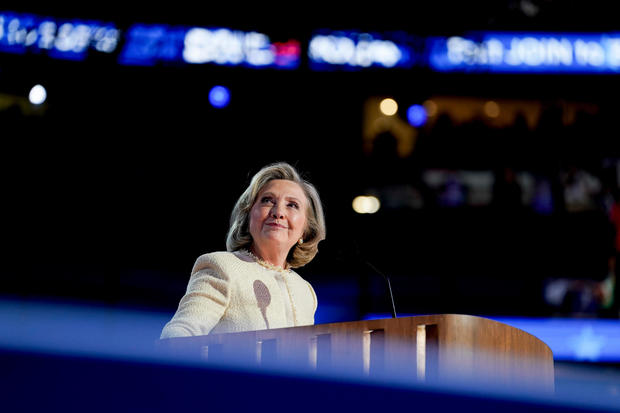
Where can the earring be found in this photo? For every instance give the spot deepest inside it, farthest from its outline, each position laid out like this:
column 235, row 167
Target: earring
column 301, row 241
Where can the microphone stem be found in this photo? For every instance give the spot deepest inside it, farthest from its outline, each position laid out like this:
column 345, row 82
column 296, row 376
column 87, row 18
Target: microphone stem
column 389, row 287
column 391, row 297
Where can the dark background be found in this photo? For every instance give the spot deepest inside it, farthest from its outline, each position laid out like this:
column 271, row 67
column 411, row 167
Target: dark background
column 130, row 174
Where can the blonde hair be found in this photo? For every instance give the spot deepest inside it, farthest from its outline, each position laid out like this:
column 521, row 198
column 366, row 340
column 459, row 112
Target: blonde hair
column 239, row 236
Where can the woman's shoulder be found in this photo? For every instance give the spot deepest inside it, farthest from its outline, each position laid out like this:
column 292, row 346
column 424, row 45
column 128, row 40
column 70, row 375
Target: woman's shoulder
column 218, row 260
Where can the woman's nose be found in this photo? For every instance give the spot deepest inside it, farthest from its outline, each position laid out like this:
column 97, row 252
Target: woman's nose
column 276, row 212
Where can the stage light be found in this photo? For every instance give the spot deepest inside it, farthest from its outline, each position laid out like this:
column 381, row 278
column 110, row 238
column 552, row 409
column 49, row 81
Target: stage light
column 491, row 109
column 416, row 115
column 219, row 96
column 366, row 204
column 37, row 95
column 388, row 106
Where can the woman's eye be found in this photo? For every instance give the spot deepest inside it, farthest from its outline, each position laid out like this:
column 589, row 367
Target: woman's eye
column 294, row 205
column 265, row 199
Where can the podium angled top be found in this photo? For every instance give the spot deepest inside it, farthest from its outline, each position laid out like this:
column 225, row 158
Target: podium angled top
column 429, row 346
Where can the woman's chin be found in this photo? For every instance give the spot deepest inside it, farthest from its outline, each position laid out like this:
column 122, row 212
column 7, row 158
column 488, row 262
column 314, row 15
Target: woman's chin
column 273, row 239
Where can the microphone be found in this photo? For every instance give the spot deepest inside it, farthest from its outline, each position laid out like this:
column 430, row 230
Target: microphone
column 389, row 284
column 354, row 252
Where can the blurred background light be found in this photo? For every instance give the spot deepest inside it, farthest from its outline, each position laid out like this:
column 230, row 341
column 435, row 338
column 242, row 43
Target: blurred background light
column 61, row 39
column 416, row 115
column 357, row 50
column 430, row 107
column 219, row 96
column 388, row 106
column 37, row 95
column 491, row 109
column 513, row 52
column 366, row 204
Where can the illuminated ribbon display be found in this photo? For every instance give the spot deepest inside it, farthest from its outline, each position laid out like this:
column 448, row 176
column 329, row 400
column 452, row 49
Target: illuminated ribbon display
column 352, row 50
column 22, row 33
column 148, row 45
column 526, row 52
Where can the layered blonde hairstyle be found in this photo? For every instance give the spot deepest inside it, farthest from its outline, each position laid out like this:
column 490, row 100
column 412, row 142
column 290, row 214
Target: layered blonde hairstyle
column 239, row 236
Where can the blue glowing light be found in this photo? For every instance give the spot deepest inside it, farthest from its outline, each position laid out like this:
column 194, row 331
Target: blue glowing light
column 416, row 115
column 219, row 96
column 147, row 45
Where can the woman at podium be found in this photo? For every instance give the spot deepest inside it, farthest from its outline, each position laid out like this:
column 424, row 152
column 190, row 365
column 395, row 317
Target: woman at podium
column 275, row 226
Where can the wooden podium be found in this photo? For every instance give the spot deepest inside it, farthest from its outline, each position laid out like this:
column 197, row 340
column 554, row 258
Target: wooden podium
column 422, row 348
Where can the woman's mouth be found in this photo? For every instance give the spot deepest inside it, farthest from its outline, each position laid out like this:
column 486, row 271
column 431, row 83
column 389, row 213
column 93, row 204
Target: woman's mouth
column 276, row 225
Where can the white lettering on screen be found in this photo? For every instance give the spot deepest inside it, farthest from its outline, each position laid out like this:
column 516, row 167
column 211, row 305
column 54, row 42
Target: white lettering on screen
column 342, row 50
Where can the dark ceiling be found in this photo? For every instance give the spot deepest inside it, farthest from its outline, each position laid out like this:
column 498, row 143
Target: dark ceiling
column 416, row 17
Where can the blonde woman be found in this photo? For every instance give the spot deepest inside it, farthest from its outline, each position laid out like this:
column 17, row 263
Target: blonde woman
column 275, row 226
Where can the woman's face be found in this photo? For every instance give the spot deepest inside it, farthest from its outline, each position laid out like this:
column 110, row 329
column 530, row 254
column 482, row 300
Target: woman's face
column 278, row 216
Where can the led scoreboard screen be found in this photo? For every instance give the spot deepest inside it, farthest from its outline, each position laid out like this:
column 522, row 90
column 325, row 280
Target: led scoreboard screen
column 64, row 39
column 526, row 52
column 147, row 45
column 144, row 45
column 329, row 50
column 339, row 50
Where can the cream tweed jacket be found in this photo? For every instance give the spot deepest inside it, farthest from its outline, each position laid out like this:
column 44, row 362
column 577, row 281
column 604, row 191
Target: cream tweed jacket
column 230, row 292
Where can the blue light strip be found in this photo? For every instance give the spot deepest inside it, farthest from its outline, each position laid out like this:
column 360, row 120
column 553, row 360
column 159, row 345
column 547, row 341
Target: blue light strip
column 570, row 339
column 73, row 328
column 76, row 328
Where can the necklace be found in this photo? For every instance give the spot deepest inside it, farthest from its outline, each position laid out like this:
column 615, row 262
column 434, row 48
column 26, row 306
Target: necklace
column 282, row 271
column 266, row 264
